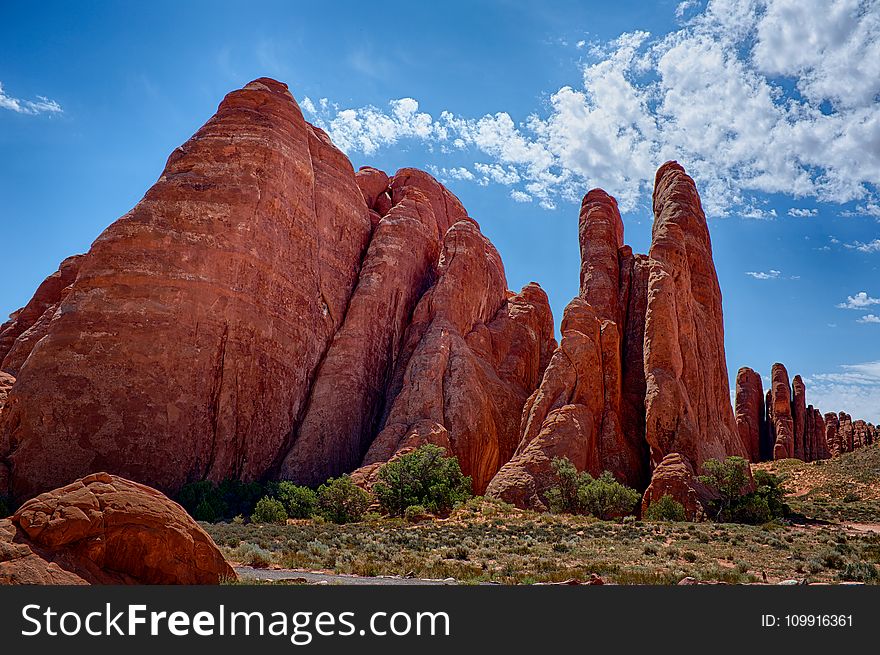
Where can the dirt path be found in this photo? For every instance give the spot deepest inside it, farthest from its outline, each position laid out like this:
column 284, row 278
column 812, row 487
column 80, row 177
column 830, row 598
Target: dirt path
column 246, row 573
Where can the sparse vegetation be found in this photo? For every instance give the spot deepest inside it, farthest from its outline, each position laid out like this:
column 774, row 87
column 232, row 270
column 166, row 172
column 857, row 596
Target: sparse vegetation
column 425, row 477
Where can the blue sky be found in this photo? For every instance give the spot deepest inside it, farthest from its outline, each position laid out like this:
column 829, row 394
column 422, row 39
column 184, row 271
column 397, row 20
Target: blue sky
column 520, row 108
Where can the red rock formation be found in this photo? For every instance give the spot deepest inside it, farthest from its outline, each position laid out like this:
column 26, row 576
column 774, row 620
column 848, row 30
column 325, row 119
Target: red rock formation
column 688, row 409
column 750, row 411
column 799, row 416
column 563, row 418
column 28, row 325
column 346, row 398
column 832, row 434
column 816, row 447
column 191, row 335
column 103, row 529
column 470, row 359
column 779, row 413
column 6, row 382
column 846, row 432
column 589, row 406
column 675, row 477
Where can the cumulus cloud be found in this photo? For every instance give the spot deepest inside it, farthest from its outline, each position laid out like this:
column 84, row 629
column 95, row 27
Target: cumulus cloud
column 772, row 274
column 41, row 105
column 752, row 96
column 854, row 389
column 859, row 301
column 869, row 318
column 799, row 212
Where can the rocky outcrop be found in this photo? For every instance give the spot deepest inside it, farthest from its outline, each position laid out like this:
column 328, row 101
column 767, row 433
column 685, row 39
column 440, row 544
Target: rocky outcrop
column 6, row 382
column 687, row 404
column 675, row 477
column 189, row 340
column 749, row 412
column 471, row 357
column 779, row 413
column 589, row 406
column 832, row 434
column 799, row 416
column 267, row 312
column 28, row 325
column 845, row 429
column 103, row 529
column 347, row 396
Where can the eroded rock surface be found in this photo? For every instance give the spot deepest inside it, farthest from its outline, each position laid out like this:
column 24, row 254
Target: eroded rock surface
column 103, row 529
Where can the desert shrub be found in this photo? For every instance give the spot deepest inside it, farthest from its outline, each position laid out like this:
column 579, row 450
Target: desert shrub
column 563, row 497
column 666, row 508
column 341, row 501
column 252, row 555
column 202, row 502
column 207, row 501
column 859, row 572
column 580, row 493
column 423, row 477
column 299, row 502
column 415, row 513
column 729, row 479
column 269, row 510
column 606, row 498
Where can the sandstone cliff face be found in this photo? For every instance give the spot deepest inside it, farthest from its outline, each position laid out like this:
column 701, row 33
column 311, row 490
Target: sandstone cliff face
column 687, row 404
column 193, row 322
column 470, row 359
column 780, row 414
column 28, row 325
column 589, row 405
column 750, row 411
column 103, row 529
column 265, row 311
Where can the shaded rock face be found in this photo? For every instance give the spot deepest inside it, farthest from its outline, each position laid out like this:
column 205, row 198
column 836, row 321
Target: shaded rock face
column 267, row 312
column 103, row 529
column 471, row 357
column 28, row 325
column 832, row 434
column 749, row 411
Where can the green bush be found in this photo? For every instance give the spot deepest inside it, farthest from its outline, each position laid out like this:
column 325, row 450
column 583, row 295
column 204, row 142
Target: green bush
column 729, row 479
column 859, row 572
column 207, row 501
column 269, row 510
column 415, row 513
column 563, row 498
column 423, row 477
column 666, row 509
column 299, row 502
column 579, row 493
column 341, row 501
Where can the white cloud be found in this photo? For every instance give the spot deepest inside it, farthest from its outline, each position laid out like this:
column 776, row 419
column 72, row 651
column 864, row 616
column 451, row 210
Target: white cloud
column 799, row 212
column 683, row 7
column 41, row 105
column 519, row 196
column 871, row 246
column 859, row 301
column 751, row 96
column 869, row 318
column 854, row 390
column 761, row 275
